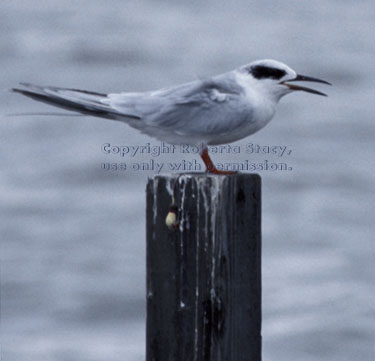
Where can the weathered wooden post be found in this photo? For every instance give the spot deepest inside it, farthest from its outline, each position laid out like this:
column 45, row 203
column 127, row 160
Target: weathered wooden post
column 204, row 276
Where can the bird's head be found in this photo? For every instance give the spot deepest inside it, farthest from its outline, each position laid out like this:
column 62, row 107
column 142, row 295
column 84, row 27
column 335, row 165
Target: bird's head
column 274, row 78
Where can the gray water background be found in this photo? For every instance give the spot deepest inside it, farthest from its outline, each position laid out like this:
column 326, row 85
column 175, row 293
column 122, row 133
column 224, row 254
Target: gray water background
column 72, row 234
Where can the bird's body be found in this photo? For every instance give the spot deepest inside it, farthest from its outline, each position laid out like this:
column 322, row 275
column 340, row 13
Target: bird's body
column 211, row 111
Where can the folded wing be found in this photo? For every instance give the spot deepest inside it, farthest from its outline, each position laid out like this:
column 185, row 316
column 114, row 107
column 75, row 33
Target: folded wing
column 82, row 101
column 198, row 108
column 202, row 108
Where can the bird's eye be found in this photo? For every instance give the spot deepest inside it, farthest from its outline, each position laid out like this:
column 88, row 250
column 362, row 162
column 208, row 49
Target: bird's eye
column 262, row 71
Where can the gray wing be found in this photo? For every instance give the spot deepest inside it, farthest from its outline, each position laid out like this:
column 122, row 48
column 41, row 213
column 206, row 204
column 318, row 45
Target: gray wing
column 82, row 101
column 199, row 108
column 203, row 107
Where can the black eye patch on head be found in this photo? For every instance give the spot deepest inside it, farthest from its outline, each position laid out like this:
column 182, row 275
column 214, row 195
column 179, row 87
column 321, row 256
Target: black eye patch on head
column 262, row 71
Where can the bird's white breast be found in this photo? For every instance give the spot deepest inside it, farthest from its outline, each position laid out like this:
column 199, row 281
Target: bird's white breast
column 258, row 110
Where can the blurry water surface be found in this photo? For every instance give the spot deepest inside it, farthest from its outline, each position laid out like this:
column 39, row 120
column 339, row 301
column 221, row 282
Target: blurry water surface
column 72, row 234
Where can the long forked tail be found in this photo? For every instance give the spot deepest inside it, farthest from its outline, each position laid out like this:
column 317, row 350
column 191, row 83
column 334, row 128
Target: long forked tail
column 82, row 101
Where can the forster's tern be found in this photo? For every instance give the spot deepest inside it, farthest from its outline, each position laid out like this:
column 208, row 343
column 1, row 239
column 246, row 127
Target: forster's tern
column 211, row 111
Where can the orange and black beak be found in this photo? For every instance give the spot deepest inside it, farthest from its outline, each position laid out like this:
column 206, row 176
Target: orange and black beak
column 305, row 78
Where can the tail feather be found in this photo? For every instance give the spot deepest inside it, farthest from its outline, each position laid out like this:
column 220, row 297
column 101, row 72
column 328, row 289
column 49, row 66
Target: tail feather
column 82, row 101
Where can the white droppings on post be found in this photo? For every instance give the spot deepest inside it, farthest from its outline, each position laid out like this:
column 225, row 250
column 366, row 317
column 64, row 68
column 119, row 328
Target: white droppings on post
column 197, row 273
column 206, row 315
column 215, row 186
column 155, row 182
column 169, row 186
column 182, row 181
column 201, row 183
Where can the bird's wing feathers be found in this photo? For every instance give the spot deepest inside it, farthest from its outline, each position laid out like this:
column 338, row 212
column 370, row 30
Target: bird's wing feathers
column 186, row 109
column 203, row 107
column 82, row 101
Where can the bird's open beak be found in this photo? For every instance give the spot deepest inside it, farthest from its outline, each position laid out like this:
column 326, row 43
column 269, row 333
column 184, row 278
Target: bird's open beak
column 305, row 78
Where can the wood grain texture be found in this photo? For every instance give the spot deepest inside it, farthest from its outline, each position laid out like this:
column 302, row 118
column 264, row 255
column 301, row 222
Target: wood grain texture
column 204, row 277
